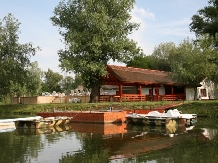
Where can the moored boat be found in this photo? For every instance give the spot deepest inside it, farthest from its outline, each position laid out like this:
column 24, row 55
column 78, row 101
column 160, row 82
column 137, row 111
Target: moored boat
column 170, row 118
column 35, row 122
column 63, row 120
column 40, row 122
column 7, row 125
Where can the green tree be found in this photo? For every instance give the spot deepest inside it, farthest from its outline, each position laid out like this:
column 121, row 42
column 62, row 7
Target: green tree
column 14, row 57
column 66, row 84
column 33, row 82
column 205, row 22
column 77, row 81
column 161, row 56
column 95, row 31
column 157, row 61
column 34, row 79
column 190, row 63
column 52, row 81
column 140, row 61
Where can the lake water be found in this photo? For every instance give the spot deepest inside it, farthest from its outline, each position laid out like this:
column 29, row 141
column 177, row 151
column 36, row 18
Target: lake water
column 112, row 143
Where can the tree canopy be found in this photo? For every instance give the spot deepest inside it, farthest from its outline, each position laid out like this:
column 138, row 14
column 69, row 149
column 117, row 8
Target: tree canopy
column 94, row 31
column 206, row 20
column 14, row 57
column 52, row 81
column 159, row 60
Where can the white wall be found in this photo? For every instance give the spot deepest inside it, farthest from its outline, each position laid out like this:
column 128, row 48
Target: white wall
column 211, row 90
column 162, row 90
column 190, row 94
column 146, row 91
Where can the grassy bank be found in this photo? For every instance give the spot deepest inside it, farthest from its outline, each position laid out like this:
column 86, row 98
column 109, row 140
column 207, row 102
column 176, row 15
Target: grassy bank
column 34, row 108
column 201, row 108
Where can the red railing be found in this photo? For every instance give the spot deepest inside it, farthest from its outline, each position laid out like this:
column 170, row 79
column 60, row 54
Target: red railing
column 133, row 97
column 138, row 98
column 177, row 97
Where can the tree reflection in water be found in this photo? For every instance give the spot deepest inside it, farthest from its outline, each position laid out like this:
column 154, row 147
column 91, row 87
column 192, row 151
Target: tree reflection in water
column 95, row 143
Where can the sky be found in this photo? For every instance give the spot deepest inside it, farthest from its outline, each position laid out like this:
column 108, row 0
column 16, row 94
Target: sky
column 160, row 21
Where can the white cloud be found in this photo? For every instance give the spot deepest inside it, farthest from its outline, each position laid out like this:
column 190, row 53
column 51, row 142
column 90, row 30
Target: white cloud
column 140, row 12
column 142, row 16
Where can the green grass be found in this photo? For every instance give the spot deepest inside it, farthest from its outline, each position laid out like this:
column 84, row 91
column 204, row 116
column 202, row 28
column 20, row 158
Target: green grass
column 201, row 108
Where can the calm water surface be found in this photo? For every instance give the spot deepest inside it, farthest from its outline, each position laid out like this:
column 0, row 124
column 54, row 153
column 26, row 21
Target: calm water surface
column 110, row 143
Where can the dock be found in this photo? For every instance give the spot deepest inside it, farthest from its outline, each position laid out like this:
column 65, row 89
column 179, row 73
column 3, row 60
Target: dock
column 104, row 116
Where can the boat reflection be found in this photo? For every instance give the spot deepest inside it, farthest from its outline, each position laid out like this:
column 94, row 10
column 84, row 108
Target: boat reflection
column 141, row 139
column 7, row 129
column 165, row 130
column 208, row 133
column 37, row 131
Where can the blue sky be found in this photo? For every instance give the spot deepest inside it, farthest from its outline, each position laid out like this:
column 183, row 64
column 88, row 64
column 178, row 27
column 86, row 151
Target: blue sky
column 161, row 21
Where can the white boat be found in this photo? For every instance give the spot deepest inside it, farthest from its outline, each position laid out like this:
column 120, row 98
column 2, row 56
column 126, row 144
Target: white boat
column 34, row 122
column 7, row 125
column 170, row 118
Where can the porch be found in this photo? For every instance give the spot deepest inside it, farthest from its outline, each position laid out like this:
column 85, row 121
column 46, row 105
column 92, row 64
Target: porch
column 129, row 84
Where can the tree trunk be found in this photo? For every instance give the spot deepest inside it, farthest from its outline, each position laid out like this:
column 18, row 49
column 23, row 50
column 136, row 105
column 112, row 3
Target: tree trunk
column 94, row 94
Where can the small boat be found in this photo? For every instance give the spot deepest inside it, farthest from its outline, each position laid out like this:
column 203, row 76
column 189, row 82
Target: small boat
column 63, row 120
column 172, row 117
column 40, row 122
column 6, row 122
column 7, row 125
column 34, row 122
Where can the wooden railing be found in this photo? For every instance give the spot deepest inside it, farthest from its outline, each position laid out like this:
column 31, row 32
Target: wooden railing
column 133, row 98
column 105, row 98
column 141, row 98
column 124, row 98
column 177, row 97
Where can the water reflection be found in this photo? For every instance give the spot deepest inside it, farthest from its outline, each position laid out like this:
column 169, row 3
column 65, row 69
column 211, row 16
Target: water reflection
column 209, row 133
column 102, row 143
column 36, row 131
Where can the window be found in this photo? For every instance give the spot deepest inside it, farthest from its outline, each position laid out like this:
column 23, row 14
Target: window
column 203, row 93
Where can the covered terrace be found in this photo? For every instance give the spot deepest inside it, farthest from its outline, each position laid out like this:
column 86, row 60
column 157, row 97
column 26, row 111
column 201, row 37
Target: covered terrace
column 125, row 84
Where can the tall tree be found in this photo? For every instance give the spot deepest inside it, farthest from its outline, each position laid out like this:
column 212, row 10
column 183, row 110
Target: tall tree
column 139, row 61
column 161, row 55
column 205, row 22
column 66, row 84
column 34, row 79
column 14, row 57
column 94, row 31
column 52, row 81
column 190, row 63
column 33, row 82
column 157, row 61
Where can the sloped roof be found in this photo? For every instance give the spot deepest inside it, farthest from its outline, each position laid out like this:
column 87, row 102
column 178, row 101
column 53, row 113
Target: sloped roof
column 138, row 75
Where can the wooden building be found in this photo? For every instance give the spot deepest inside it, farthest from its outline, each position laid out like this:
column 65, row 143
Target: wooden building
column 137, row 84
